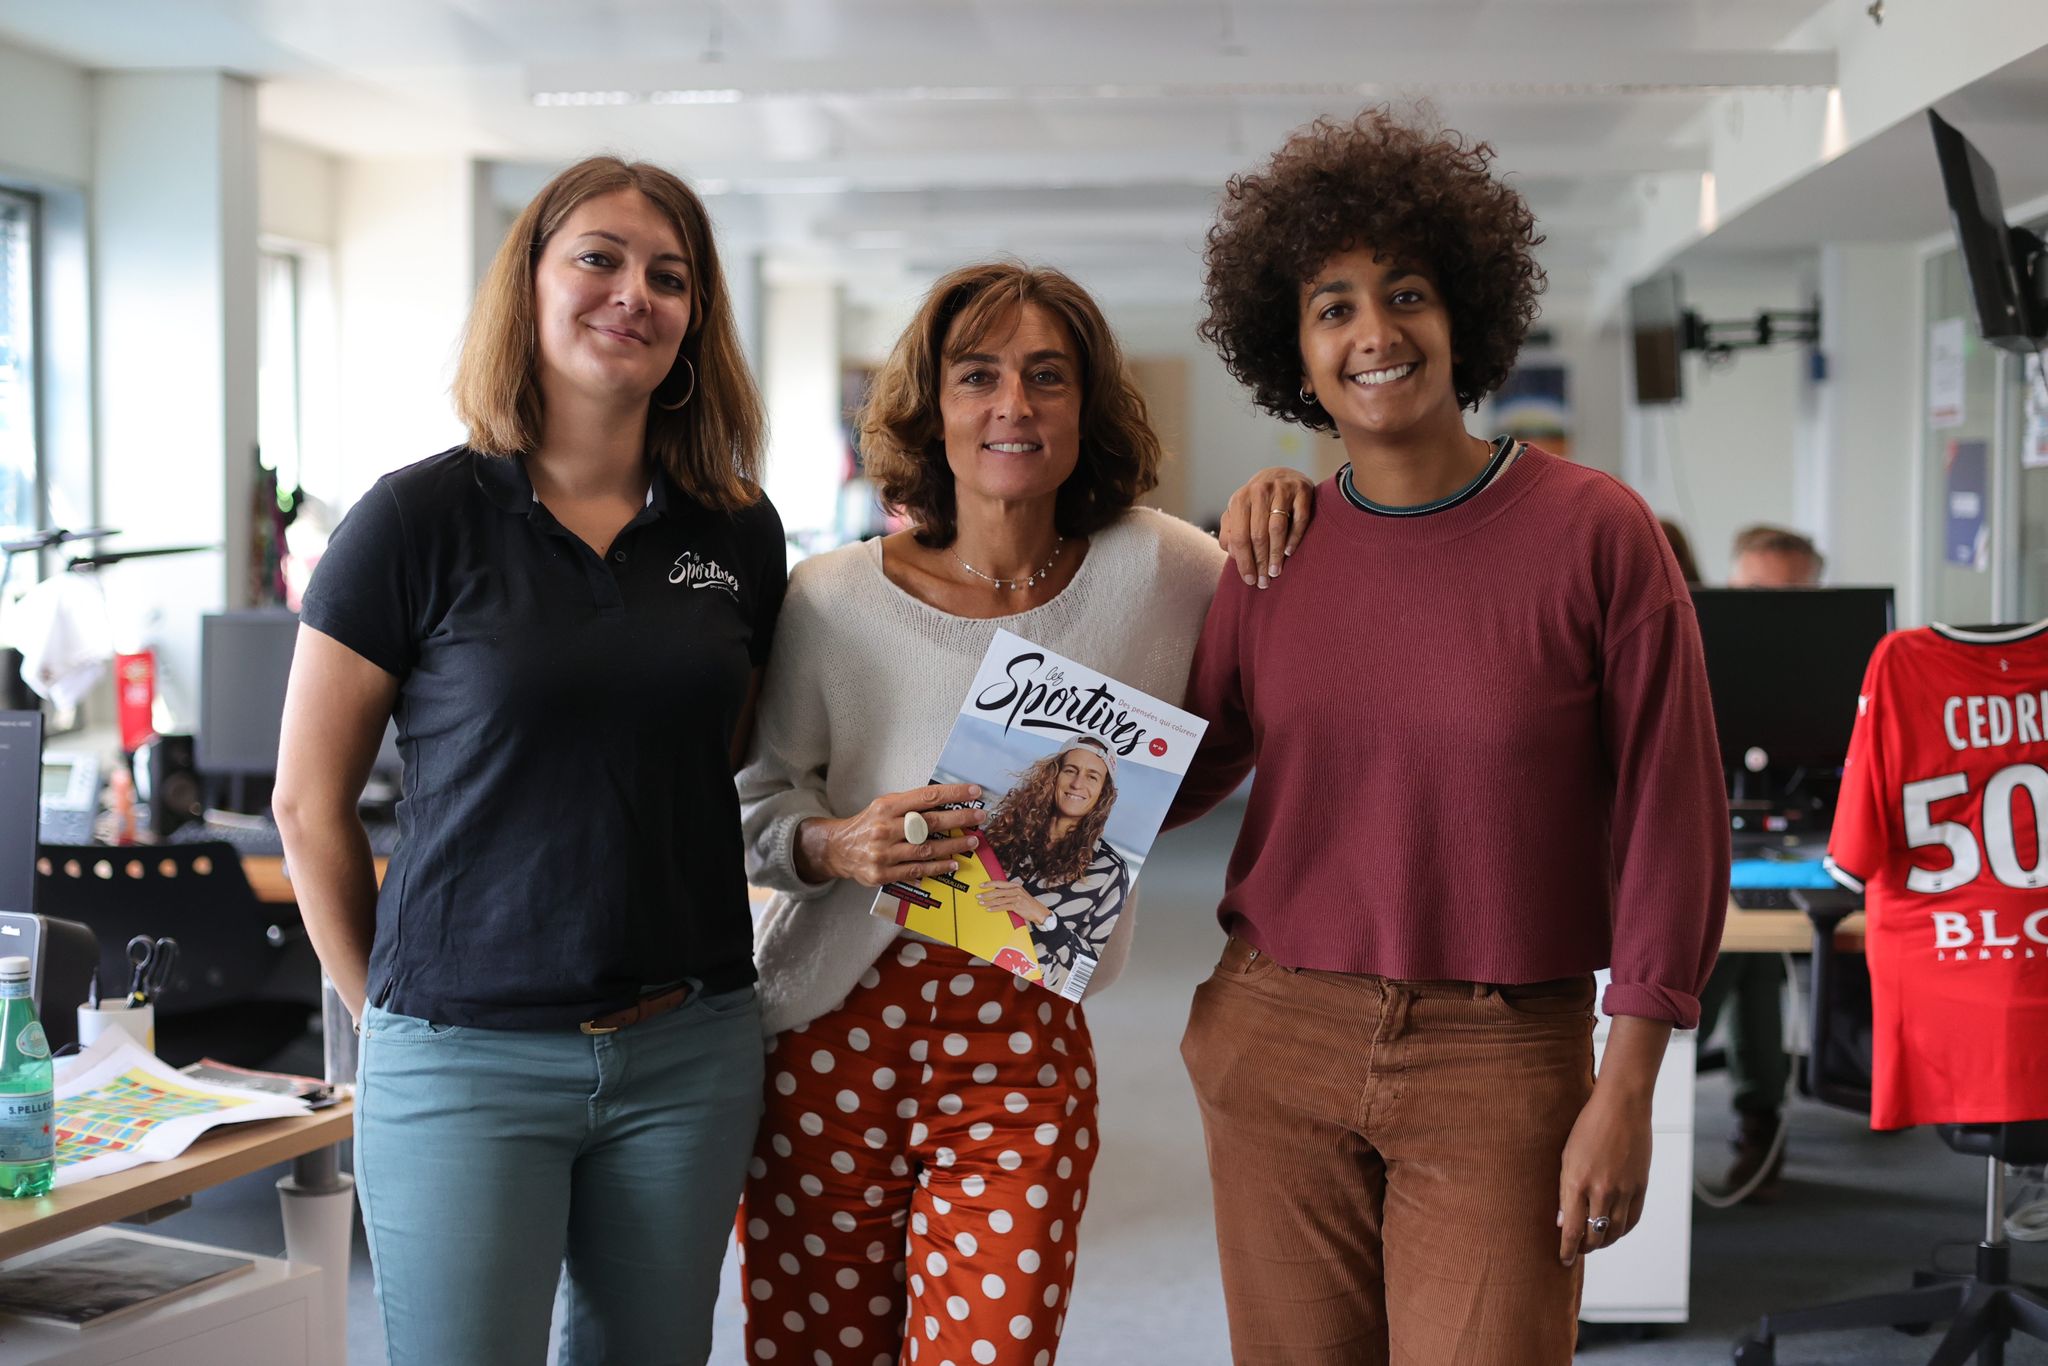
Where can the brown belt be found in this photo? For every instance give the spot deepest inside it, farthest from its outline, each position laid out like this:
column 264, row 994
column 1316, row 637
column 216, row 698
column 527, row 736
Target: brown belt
column 646, row 1008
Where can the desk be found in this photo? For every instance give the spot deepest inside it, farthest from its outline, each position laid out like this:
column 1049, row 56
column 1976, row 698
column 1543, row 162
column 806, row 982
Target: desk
column 1782, row 932
column 266, row 878
column 318, row 1204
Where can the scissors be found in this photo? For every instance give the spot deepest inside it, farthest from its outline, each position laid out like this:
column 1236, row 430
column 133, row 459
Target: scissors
column 149, row 967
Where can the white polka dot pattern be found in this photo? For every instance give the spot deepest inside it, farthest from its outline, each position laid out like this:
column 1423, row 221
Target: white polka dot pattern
column 925, row 1156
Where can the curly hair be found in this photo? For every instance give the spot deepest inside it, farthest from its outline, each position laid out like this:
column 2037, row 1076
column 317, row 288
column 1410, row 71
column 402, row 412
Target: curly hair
column 1418, row 195
column 1026, row 812
column 902, row 434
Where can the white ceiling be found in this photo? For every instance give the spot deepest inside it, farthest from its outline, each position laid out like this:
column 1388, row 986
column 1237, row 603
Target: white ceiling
column 885, row 139
column 1888, row 187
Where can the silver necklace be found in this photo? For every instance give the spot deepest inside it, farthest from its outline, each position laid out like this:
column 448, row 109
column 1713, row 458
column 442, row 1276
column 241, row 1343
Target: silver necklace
column 1043, row 569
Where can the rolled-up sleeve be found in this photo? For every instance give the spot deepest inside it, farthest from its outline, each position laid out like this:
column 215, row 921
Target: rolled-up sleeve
column 1670, row 822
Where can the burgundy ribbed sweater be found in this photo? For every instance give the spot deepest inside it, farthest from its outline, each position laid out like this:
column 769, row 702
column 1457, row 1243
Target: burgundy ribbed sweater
column 1484, row 743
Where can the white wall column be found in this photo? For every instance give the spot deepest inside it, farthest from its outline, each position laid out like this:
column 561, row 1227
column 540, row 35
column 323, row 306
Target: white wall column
column 174, row 226
column 800, row 377
column 405, row 236
column 1871, row 425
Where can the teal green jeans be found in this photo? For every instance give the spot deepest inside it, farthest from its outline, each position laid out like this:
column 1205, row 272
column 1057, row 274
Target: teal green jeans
column 493, row 1164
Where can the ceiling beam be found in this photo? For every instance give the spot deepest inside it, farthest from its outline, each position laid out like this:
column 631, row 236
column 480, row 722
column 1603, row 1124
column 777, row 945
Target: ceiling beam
column 1123, row 169
column 1112, row 74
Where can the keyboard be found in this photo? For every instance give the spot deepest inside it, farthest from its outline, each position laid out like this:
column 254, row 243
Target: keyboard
column 1764, row 898
column 260, row 839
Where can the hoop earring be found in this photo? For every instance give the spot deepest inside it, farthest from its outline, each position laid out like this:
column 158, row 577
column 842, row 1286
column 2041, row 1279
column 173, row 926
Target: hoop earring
column 1308, row 400
column 688, row 393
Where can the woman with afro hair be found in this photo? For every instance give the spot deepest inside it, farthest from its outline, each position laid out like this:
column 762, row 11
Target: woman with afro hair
column 1485, row 770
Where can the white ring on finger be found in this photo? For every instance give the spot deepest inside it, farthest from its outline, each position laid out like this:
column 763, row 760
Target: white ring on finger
column 915, row 828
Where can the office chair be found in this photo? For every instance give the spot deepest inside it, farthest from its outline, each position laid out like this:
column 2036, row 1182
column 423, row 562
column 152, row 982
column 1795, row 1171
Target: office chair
column 244, row 981
column 1983, row 1307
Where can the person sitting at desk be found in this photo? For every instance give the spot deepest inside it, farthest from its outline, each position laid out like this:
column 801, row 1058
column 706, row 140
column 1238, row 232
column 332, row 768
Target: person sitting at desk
column 1754, row 983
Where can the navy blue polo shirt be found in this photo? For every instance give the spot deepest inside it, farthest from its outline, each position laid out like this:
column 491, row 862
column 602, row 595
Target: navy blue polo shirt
column 569, row 835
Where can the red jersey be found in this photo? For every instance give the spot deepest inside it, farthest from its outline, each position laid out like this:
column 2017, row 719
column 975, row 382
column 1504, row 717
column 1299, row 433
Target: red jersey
column 1941, row 826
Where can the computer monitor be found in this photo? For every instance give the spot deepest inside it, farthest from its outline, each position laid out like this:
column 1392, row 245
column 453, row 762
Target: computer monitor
column 245, row 660
column 1785, row 666
column 2005, row 265
column 21, row 777
column 1656, row 319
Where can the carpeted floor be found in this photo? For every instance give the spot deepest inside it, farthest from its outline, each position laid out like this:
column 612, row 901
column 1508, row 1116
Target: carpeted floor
column 1860, row 1210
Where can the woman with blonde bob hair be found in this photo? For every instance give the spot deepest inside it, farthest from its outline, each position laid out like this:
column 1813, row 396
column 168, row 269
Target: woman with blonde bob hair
column 567, row 616
column 924, row 1158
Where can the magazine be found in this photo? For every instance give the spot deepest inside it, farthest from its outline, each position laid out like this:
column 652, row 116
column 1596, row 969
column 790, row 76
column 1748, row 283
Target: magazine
column 110, row 1277
column 317, row 1094
column 1076, row 772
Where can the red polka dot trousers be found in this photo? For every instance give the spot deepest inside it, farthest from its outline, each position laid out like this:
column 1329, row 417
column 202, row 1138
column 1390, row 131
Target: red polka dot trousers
column 917, row 1187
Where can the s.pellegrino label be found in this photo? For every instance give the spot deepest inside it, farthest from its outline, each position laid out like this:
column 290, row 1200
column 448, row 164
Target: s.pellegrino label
column 26, row 1130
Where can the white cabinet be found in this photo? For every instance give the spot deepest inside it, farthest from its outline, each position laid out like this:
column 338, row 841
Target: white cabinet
column 1647, row 1277
column 263, row 1317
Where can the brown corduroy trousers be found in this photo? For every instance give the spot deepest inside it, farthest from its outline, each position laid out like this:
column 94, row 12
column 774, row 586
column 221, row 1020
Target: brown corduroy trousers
column 1385, row 1156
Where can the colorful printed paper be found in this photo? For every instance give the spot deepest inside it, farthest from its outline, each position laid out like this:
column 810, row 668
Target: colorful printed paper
column 119, row 1106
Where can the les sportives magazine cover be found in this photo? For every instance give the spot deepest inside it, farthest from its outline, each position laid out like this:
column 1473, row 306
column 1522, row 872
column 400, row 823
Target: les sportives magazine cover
column 1078, row 771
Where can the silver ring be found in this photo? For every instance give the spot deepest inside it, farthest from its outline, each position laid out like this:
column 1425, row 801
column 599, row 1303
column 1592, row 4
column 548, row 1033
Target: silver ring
column 1599, row 1223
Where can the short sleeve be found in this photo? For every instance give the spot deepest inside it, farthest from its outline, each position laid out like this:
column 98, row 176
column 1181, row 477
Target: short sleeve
column 1858, row 841
column 360, row 594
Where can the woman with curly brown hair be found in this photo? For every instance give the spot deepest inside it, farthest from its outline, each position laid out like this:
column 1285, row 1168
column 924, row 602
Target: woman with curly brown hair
column 929, row 1130
column 1064, row 877
column 1486, row 770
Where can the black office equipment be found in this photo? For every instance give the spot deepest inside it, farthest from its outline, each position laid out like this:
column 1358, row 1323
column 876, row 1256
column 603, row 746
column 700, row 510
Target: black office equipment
column 1663, row 329
column 70, row 796
column 2007, row 266
column 244, row 982
column 245, row 660
column 21, row 806
column 1658, row 323
column 174, row 792
column 1982, row 1307
column 62, row 955
column 1784, row 666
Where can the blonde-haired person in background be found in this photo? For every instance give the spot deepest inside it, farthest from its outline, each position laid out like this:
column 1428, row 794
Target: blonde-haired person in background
column 561, row 1058
column 924, row 1159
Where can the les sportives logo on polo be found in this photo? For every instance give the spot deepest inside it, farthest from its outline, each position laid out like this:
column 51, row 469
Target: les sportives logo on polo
column 694, row 571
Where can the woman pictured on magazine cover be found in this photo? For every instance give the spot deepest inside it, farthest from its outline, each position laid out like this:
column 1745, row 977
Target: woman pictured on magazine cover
column 1485, row 769
column 561, row 1051
column 1047, row 832
column 930, row 1120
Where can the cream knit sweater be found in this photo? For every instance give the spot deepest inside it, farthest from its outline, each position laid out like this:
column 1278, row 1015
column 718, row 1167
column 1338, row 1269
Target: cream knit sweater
column 862, row 689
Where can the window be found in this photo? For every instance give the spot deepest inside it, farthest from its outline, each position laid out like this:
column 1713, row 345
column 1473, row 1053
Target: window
column 277, row 377
column 17, row 362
